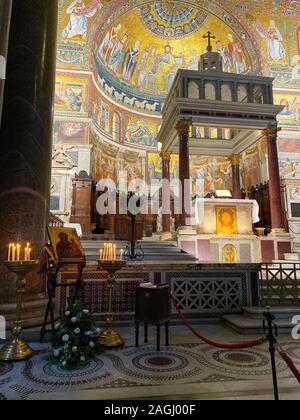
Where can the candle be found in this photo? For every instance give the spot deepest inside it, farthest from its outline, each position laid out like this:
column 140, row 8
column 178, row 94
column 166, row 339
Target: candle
column 18, row 252
column 115, row 252
column 13, row 252
column 29, row 254
column 9, row 256
column 101, row 254
column 121, row 254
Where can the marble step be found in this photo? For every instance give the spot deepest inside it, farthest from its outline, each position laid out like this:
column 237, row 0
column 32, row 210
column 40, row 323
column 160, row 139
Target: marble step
column 283, row 313
column 154, row 251
column 249, row 326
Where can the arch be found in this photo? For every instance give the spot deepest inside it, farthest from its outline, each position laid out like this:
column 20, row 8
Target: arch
column 210, row 91
column 243, row 95
column 259, row 94
column 193, row 90
column 226, row 92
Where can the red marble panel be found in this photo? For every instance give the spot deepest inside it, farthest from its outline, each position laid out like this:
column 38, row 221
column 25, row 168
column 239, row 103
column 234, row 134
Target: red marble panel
column 268, row 251
column 284, row 248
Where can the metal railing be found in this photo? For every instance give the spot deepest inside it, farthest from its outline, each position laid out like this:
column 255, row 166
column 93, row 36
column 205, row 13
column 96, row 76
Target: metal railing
column 279, row 284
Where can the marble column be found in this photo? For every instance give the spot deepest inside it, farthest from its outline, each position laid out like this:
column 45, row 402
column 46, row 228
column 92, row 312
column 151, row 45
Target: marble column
column 183, row 129
column 236, row 176
column 274, row 181
column 26, row 146
column 166, row 159
column 5, row 13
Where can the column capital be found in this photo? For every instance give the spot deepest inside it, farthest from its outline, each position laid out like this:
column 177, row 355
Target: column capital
column 271, row 133
column 235, row 160
column 183, row 127
column 165, row 156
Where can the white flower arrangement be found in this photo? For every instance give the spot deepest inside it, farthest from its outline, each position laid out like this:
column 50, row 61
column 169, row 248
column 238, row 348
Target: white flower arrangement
column 56, row 352
column 75, row 341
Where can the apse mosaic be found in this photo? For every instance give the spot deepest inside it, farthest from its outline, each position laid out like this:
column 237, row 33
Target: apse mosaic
column 172, row 20
column 137, row 67
column 131, row 50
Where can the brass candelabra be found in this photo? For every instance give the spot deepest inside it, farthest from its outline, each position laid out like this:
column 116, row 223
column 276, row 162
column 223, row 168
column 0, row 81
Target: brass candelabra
column 110, row 337
column 17, row 349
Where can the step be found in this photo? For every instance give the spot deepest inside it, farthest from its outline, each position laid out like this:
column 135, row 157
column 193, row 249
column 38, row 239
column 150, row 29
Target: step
column 248, row 326
column 283, row 313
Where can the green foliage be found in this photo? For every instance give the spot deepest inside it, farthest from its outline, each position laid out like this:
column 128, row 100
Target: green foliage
column 75, row 342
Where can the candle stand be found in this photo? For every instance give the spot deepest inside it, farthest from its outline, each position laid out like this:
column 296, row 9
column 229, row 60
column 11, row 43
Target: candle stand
column 110, row 337
column 18, row 349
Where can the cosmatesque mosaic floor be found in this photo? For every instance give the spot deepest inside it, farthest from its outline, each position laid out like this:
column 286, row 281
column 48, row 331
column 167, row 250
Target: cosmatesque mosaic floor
column 184, row 369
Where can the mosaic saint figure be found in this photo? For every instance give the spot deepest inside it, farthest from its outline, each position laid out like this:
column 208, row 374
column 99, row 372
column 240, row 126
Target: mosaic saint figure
column 117, row 54
column 274, row 40
column 194, row 61
column 130, row 62
column 148, row 69
column 109, row 42
column 238, row 55
column 226, row 57
column 79, row 14
column 167, row 70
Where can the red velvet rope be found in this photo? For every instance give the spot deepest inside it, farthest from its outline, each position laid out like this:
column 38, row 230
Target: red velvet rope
column 245, row 345
column 291, row 365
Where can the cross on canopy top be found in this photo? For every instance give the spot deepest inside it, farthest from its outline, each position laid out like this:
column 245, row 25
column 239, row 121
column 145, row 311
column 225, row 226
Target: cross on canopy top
column 209, row 36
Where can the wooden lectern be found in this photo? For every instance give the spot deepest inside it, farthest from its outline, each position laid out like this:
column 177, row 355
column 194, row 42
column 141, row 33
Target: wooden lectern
column 153, row 306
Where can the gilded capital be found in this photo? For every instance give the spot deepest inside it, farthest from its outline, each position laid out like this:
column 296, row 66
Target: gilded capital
column 166, row 156
column 183, row 127
column 235, row 160
column 271, row 133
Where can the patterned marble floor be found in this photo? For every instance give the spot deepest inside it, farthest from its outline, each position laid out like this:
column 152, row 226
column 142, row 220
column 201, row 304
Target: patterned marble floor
column 184, row 369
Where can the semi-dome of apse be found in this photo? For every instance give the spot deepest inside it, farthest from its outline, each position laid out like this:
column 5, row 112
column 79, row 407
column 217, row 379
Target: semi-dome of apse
column 138, row 46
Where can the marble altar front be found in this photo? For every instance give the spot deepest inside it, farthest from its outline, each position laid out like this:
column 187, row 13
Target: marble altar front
column 223, row 232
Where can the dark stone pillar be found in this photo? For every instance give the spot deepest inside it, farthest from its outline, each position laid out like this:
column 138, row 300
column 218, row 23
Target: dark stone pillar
column 166, row 159
column 183, row 128
column 236, row 176
column 26, row 141
column 5, row 13
column 274, row 181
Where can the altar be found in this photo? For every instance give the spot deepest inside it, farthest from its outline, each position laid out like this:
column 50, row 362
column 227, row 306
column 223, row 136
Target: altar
column 222, row 232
